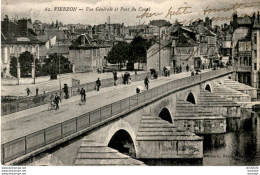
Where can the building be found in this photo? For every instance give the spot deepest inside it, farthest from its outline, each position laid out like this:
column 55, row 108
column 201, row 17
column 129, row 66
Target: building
column 159, row 56
column 245, row 49
column 17, row 37
column 87, row 54
column 255, row 79
column 185, row 50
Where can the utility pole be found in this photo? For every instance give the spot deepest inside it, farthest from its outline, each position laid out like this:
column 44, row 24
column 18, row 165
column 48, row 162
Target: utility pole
column 18, row 71
column 34, row 70
column 159, row 50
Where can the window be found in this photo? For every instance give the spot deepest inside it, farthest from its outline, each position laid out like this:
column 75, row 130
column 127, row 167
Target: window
column 245, row 61
column 255, row 39
column 255, row 66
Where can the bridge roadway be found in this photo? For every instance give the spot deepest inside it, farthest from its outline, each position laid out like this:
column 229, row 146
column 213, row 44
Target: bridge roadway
column 52, row 85
column 25, row 122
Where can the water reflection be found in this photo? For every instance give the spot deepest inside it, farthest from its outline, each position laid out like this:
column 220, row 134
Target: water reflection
column 172, row 162
column 240, row 147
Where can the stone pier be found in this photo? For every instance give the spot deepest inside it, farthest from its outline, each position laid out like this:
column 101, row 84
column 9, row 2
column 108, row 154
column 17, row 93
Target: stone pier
column 159, row 139
column 192, row 118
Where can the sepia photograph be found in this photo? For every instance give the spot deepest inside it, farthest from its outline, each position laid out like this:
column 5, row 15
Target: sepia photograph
column 111, row 83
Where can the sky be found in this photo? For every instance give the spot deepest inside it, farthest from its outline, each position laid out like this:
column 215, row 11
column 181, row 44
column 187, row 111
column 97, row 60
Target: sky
column 47, row 10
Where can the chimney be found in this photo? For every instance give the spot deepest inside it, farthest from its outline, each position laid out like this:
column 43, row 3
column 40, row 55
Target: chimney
column 234, row 20
column 82, row 40
column 6, row 24
column 23, row 26
column 225, row 25
column 207, row 22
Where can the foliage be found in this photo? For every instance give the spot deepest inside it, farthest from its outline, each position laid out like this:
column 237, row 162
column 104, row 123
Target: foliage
column 26, row 62
column 133, row 52
column 13, row 66
column 51, row 65
column 119, row 53
column 138, row 48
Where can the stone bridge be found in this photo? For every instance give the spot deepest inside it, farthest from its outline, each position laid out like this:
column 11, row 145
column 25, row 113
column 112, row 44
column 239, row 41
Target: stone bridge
column 168, row 127
column 165, row 122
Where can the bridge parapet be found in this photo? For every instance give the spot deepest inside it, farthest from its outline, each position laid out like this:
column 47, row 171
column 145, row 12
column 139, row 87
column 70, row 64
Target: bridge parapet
column 17, row 149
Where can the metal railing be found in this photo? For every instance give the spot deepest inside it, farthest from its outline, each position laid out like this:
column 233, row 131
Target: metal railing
column 34, row 101
column 26, row 144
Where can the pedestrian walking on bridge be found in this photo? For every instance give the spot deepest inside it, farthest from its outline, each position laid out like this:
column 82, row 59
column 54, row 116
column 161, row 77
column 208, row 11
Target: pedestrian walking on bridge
column 98, row 84
column 28, row 91
column 37, row 91
column 187, row 68
column 115, row 78
column 57, row 100
column 146, row 83
column 83, row 94
column 66, row 91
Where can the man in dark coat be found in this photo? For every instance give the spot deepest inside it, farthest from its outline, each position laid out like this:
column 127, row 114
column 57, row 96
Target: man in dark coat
column 187, row 68
column 56, row 100
column 66, row 91
column 28, row 91
column 146, row 83
column 37, row 91
column 115, row 78
column 98, row 84
column 83, row 94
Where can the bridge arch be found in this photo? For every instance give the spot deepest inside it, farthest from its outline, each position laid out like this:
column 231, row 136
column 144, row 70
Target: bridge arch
column 166, row 115
column 208, row 88
column 191, row 98
column 122, row 137
column 123, row 142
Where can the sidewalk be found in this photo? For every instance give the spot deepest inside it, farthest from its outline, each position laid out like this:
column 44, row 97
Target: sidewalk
column 54, row 84
column 34, row 119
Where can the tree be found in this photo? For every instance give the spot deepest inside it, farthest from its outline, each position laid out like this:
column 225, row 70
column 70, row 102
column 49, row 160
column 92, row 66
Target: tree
column 26, row 61
column 139, row 46
column 13, row 66
column 51, row 66
column 119, row 54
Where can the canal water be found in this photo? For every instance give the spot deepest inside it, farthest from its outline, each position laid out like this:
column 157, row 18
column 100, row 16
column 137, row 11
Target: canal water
column 237, row 147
